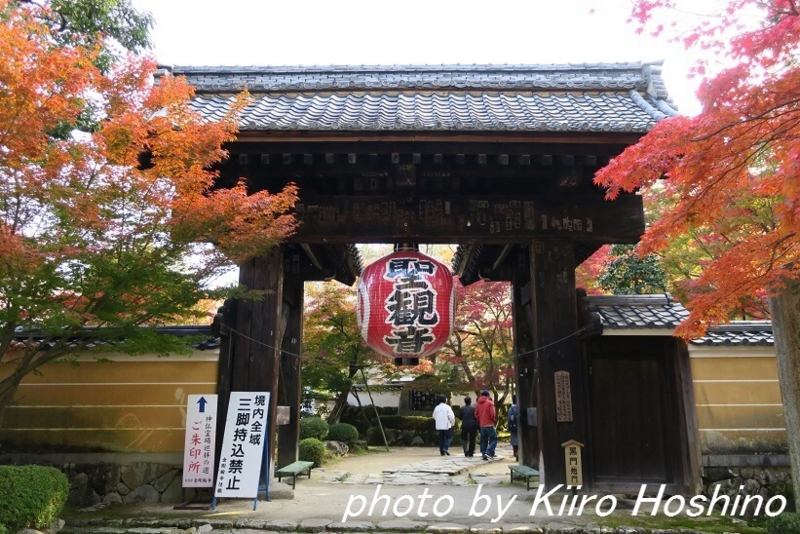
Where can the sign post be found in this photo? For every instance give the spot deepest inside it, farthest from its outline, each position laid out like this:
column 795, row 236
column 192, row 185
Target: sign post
column 198, row 448
column 573, row 463
column 242, row 455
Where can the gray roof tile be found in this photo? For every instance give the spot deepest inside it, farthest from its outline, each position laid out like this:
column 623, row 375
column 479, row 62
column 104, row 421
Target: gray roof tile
column 623, row 312
column 637, row 311
column 739, row 333
column 624, row 97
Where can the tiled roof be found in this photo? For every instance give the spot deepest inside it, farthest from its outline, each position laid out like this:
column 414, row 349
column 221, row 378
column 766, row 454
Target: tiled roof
column 619, row 97
column 623, row 312
column 637, row 311
column 743, row 333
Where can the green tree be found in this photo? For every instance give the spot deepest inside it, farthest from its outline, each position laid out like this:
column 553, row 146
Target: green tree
column 113, row 25
column 627, row 273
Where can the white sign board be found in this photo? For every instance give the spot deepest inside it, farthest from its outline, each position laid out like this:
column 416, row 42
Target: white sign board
column 198, row 448
column 243, row 445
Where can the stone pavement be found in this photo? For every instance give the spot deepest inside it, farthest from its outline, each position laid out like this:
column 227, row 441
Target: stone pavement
column 407, row 490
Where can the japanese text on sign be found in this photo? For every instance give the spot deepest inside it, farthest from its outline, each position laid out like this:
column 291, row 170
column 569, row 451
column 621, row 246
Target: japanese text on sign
column 411, row 306
column 563, row 397
column 243, row 445
column 198, row 450
column 573, row 463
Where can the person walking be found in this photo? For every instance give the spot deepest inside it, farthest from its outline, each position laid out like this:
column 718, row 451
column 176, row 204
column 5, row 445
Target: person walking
column 487, row 418
column 469, row 427
column 513, row 423
column 445, row 419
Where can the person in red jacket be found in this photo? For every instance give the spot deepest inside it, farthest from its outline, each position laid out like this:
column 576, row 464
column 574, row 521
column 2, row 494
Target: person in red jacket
column 487, row 417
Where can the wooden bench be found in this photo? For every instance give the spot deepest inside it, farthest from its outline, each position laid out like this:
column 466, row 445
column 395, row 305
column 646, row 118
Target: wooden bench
column 523, row 471
column 293, row 470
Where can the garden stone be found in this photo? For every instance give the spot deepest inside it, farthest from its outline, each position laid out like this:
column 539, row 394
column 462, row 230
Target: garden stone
column 145, row 493
column 139, row 473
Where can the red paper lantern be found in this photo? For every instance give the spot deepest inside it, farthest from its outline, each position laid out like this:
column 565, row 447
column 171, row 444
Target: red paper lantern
column 406, row 304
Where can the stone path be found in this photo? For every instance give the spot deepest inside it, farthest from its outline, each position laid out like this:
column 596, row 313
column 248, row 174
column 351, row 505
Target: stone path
column 441, row 471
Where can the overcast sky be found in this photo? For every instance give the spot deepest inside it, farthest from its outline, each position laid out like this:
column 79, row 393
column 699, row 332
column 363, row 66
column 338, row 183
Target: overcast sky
column 356, row 32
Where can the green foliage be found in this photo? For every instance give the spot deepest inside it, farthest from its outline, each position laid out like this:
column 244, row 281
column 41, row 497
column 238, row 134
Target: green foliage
column 313, row 427
column 85, row 22
column 312, row 450
column 786, row 523
column 374, row 436
column 418, row 423
column 364, row 417
column 343, row 432
column 31, row 496
column 628, row 274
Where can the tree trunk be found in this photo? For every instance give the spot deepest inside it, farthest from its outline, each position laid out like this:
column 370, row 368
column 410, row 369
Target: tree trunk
column 338, row 407
column 785, row 309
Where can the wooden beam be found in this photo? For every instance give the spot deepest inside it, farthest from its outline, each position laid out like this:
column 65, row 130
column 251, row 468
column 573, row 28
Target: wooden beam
column 498, row 220
column 290, row 390
column 559, row 374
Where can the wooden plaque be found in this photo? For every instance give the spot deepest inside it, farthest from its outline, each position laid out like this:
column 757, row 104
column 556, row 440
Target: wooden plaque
column 563, row 397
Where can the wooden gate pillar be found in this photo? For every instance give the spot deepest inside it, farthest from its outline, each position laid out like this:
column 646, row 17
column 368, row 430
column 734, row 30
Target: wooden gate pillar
column 253, row 352
column 525, row 359
column 289, row 388
column 560, row 394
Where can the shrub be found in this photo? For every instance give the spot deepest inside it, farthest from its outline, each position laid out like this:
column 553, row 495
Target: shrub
column 419, row 423
column 374, row 436
column 313, row 427
column 786, row 523
column 312, row 450
column 31, row 496
column 343, row 432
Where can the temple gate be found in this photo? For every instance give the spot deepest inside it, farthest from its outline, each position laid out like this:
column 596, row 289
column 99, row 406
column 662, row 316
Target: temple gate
column 498, row 159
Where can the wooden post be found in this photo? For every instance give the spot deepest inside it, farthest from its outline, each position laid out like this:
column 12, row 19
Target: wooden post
column 560, row 395
column 525, row 361
column 289, row 389
column 256, row 341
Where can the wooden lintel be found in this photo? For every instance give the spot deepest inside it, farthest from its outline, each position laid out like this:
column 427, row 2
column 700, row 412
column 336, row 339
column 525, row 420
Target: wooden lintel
column 498, row 220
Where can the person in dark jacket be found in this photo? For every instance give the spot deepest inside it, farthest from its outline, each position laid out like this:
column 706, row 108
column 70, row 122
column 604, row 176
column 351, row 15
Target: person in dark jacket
column 487, row 418
column 469, row 427
column 513, row 425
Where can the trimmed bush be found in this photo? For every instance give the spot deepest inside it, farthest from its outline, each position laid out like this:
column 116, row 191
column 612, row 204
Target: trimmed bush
column 420, row 423
column 312, row 450
column 343, row 432
column 313, row 427
column 786, row 523
column 31, row 496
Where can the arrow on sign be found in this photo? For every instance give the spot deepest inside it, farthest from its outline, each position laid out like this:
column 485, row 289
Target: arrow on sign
column 202, row 402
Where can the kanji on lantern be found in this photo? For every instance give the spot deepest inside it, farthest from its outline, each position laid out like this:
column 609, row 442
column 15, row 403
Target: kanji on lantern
column 406, row 304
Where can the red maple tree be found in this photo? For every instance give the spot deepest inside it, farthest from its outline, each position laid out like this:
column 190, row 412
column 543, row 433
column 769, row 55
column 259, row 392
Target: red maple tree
column 90, row 234
column 732, row 173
